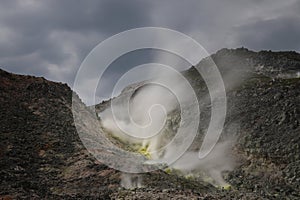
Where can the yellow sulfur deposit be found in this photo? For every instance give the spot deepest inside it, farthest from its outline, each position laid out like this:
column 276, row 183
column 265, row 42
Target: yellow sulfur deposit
column 226, row 187
column 168, row 170
column 144, row 150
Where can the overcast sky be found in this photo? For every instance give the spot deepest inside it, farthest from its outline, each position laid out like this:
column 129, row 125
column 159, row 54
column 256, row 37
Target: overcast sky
column 51, row 38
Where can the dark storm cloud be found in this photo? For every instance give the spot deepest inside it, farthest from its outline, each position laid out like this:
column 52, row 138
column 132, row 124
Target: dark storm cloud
column 39, row 35
column 214, row 23
column 86, row 15
column 276, row 34
column 51, row 38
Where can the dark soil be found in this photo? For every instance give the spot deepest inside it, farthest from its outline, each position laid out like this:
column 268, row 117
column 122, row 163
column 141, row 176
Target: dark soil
column 42, row 157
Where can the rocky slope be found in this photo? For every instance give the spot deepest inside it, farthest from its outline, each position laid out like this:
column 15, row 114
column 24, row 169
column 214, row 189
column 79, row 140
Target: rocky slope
column 263, row 115
column 41, row 155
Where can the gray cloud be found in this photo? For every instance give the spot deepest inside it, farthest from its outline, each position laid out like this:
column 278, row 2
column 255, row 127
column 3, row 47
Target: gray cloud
column 51, row 38
column 276, row 34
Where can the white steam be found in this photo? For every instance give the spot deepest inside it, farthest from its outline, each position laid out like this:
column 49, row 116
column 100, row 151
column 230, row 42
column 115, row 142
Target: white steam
column 138, row 116
column 130, row 181
column 218, row 160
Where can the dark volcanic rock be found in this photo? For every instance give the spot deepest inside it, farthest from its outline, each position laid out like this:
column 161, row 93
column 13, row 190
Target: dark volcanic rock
column 42, row 157
column 263, row 94
column 41, row 154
